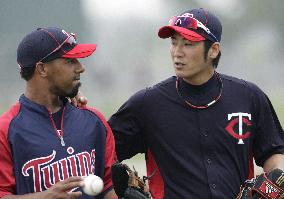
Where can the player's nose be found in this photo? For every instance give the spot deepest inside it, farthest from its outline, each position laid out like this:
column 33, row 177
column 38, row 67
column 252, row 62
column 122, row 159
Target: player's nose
column 80, row 68
column 178, row 51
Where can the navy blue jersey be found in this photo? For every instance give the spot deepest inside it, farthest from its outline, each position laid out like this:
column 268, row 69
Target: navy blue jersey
column 33, row 157
column 198, row 153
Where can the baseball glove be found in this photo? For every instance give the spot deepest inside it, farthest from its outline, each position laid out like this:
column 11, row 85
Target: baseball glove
column 267, row 185
column 127, row 184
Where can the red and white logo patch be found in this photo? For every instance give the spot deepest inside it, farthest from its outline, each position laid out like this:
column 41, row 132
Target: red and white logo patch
column 269, row 189
column 243, row 121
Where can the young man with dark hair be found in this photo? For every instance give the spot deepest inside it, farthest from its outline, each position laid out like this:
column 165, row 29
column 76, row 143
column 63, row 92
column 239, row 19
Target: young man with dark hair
column 47, row 145
column 200, row 130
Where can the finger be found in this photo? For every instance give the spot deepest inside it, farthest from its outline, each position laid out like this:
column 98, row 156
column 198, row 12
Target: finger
column 73, row 179
column 75, row 194
column 74, row 101
column 83, row 100
column 71, row 185
column 69, row 195
column 80, row 105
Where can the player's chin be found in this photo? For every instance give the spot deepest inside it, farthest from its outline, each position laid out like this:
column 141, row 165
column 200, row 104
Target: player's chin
column 74, row 91
column 180, row 74
column 76, row 82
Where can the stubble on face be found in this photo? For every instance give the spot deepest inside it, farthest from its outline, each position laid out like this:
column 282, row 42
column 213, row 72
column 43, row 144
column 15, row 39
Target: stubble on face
column 62, row 93
column 68, row 83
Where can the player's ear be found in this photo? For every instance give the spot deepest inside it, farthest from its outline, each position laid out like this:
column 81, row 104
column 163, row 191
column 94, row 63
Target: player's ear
column 214, row 50
column 41, row 69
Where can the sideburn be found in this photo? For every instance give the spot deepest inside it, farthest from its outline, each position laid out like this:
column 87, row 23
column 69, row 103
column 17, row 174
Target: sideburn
column 207, row 45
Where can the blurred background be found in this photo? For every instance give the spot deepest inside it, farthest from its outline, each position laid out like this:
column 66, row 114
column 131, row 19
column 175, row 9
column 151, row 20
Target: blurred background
column 130, row 56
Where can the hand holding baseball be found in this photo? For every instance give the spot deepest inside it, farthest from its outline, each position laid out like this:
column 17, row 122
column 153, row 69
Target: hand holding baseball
column 93, row 185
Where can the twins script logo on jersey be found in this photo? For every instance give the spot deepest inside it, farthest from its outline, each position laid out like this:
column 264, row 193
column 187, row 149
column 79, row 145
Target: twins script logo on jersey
column 242, row 120
column 46, row 172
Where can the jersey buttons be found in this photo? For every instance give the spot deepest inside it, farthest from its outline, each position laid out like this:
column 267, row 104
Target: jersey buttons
column 205, row 133
column 209, row 161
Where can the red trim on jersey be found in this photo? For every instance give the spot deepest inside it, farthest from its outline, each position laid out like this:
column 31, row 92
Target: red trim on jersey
column 251, row 167
column 110, row 155
column 7, row 178
column 156, row 183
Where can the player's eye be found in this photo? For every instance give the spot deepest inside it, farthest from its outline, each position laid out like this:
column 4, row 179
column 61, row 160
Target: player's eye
column 173, row 41
column 71, row 61
column 188, row 44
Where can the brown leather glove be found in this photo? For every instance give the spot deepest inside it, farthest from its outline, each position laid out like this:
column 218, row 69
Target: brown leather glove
column 127, row 184
column 267, row 185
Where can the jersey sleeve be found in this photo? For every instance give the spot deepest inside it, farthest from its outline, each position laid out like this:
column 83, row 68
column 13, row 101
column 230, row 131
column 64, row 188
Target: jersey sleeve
column 7, row 178
column 127, row 127
column 110, row 155
column 269, row 133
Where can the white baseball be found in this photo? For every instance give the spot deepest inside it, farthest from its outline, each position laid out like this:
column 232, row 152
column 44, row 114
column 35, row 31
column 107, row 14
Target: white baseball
column 93, row 185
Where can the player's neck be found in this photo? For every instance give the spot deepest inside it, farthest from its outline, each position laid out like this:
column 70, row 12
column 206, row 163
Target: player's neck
column 200, row 78
column 43, row 97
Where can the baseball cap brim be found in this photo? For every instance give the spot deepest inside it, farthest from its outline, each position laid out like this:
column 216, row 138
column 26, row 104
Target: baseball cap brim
column 81, row 51
column 168, row 31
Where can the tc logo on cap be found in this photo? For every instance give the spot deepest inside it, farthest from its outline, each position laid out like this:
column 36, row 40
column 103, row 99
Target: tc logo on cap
column 71, row 37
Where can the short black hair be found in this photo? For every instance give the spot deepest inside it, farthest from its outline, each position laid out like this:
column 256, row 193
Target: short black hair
column 27, row 72
column 207, row 45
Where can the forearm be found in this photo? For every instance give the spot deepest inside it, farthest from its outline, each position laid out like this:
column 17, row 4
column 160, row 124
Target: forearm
column 275, row 161
column 25, row 196
column 61, row 190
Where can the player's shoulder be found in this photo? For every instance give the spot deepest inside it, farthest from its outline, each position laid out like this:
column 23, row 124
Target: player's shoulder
column 93, row 114
column 8, row 116
column 11, row 113
column 163, row 84
column 152, row 91
column 238, row 83
column 91, row 111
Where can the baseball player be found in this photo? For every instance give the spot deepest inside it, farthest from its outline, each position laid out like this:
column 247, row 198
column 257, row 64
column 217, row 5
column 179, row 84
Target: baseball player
column 200, row 130
column 46, row 143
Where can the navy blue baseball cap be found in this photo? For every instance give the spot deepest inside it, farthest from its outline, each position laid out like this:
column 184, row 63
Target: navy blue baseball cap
column 194, row 25
column 47, row 44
